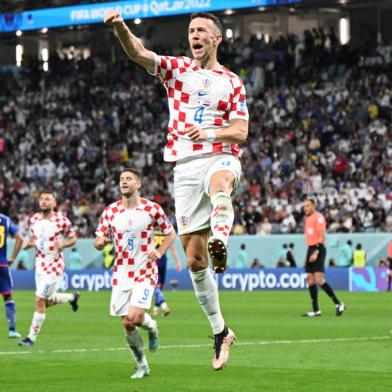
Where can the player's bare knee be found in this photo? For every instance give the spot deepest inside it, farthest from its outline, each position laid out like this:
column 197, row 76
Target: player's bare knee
column 128, row 324
column 135, row 319
column 40, row 304
column 197, row 263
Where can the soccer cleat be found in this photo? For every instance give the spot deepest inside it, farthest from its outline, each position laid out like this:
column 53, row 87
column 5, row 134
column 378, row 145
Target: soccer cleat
column 218, row 254
column 153, row 338
column 141, row 371
column 26, row 342
column 340, row 308
column 74, row 303
column 312, row 313
column 166, row 311
column 222, row 344
column 14, row 335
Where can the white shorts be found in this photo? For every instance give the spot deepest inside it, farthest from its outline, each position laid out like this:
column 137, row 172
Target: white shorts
column 139, row 296
column 191, row 189
column 47, row 285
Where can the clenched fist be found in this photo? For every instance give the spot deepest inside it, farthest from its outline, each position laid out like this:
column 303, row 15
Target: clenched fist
column 112, row 18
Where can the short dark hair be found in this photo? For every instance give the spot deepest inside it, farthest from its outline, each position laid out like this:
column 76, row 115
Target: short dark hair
column 311, row 200
column 291, row 245
column 47, row 192
column 131, row 170
column 208, row 15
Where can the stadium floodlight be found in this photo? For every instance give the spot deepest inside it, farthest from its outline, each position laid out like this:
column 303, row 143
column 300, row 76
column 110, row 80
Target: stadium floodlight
column 19, row 55
column 229, row 33
column 18, row 33
column 229, row 12
column 344, row 30
column 45, row 67
column 137, row 21
column 44, row 30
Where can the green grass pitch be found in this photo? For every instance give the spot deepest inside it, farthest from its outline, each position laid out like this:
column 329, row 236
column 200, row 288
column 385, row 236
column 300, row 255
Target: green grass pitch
column 277, row 349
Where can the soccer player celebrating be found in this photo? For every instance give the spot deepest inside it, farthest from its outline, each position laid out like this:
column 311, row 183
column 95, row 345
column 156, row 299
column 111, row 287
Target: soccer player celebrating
column 7, row 227
column 315, row 234
column 50, row 232
column 160, row 301
column 208, row 119
column 130, row 222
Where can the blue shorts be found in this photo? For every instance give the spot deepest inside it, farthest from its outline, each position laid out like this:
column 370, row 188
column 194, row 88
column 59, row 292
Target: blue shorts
column 162, row 266
column 6, row 284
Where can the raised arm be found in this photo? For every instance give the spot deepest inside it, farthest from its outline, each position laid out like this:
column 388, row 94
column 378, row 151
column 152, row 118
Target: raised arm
column 130, row 43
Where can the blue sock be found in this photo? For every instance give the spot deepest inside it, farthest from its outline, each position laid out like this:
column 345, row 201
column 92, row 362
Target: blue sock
column 10, row 314
column 159, row 298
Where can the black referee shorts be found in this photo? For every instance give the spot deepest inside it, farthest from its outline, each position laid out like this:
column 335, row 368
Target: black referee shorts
column 318, row 265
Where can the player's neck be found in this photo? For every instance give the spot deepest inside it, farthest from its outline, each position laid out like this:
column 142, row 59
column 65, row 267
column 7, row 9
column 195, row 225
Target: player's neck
column 210, row 64
column 130, row 202
column 47, row 215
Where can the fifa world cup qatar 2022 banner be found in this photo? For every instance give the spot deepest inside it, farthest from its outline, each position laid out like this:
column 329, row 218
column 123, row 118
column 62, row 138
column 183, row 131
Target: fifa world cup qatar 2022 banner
column 131, row 9
column 233, row 279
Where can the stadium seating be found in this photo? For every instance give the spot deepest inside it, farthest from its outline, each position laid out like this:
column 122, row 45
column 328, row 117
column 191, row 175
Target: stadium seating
column 320, row 126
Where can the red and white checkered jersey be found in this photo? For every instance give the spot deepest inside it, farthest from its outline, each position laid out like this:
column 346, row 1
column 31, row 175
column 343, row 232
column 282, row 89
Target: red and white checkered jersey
column 133, row 233
column 48, row 259
column 209, row 99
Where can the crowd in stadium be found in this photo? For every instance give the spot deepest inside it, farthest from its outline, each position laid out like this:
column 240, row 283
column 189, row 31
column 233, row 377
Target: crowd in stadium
column 320, row 125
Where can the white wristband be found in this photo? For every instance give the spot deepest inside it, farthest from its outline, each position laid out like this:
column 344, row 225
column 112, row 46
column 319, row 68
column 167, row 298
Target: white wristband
column 211, row 135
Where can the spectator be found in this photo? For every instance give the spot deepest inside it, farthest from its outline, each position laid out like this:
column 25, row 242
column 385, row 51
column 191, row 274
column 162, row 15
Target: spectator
column 282, row 261
column 331, row 263
column 242, row 260
column 256, row 263
column 75, row 260
column 359, row 257
column 21, row 265
column 345, row 255
column 290, row 256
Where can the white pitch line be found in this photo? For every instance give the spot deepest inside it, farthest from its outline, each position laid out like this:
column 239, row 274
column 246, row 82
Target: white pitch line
column 174, row 346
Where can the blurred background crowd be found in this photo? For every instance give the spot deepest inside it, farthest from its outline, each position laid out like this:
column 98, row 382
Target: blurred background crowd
column 320, row 126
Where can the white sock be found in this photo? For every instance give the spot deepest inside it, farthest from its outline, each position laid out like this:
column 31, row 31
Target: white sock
column 61, row 298
column 222, row 215
column 149, row 323
column 36, row 324
column 164, row 306
column 207, row 294
column 135, row 344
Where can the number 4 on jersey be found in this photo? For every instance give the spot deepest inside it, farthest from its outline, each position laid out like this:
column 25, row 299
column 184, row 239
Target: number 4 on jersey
column 199, row 114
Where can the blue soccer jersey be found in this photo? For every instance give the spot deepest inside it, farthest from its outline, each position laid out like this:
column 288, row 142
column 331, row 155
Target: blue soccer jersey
column 7, row 227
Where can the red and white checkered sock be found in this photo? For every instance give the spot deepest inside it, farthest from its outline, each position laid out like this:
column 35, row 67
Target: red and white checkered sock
column 36, row 324
column 222, row 215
